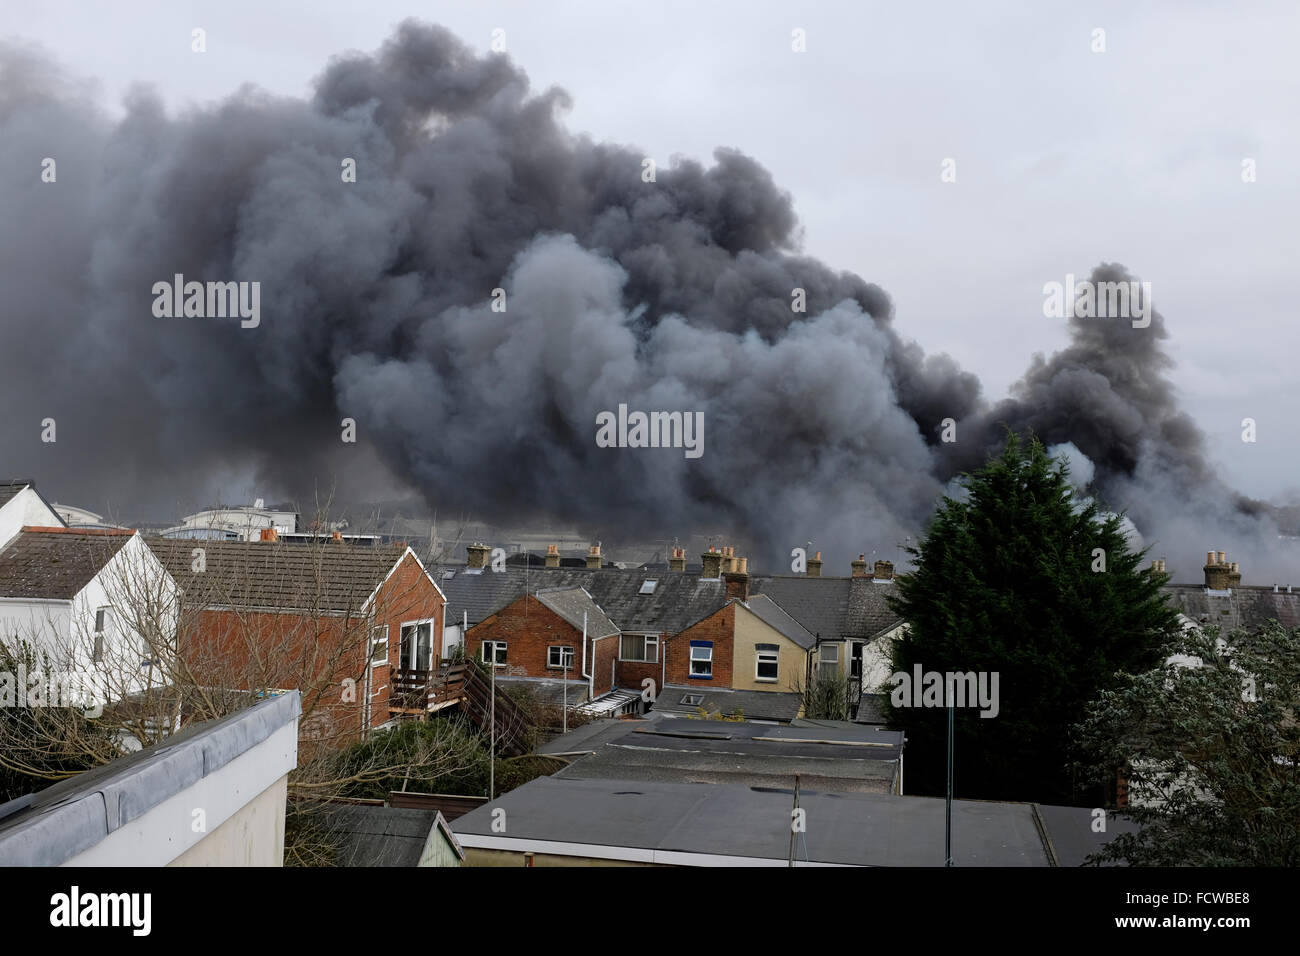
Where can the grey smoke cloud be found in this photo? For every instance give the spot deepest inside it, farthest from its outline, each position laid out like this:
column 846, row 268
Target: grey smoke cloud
column 672, row 295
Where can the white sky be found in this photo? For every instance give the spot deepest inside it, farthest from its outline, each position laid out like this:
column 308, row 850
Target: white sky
column 1065, row 157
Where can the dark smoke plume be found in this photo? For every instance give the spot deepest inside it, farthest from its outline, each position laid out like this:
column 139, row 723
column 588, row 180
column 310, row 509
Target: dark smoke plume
column 375, row 305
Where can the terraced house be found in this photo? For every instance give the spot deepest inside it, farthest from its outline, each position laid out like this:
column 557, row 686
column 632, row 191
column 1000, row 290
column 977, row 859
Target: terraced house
column 716, row 640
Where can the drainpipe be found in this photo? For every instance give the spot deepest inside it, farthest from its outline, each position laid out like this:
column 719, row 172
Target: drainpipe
column 583, row 672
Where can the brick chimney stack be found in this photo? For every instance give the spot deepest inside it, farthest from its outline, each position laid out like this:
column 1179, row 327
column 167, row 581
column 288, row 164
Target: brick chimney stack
column 593, row 557
column 478, row 555
column 815, row 566
column 1220, row 575
column 738, row 580
column 712, row 564
column 678, row 561
column 552, row 556
column 859, row 566
column 884, row 571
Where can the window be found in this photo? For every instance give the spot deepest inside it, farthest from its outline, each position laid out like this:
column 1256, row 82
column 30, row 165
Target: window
column 101, row 628
column 702, row 660
column 379, row 645
column 648, row 587
column 768, row 657
column 494, row 652
column 558, row 655
column 417, row 646
column 828, row 661
column 693, row 700
column 639, row 647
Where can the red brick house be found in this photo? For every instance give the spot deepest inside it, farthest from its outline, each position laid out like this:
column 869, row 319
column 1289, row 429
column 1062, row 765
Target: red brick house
column 540, row 635
column 350, row 627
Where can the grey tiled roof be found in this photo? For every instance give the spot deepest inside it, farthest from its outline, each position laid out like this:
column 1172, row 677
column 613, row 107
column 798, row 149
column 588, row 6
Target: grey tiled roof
column 378, row 836
column 576, row 606
column 819, row 604
column 679, row 600
column 329, row 577
column 776, row 617
column 1247, row 608
column 9, row 489
column 55, row 563
column 834, row 609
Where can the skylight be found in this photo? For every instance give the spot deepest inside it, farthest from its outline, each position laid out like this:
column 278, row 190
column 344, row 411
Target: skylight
column 648, row 586
column 693, row 700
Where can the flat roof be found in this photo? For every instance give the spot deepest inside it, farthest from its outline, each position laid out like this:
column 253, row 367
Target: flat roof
column 713, row 824
column 53, row 825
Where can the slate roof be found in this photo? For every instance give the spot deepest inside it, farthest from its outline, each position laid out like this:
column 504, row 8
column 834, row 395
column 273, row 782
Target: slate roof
column 56, row 563
column 655, row 821
column 774, row 616
column 753, row 704
column 379, row 836
column 1247, row 608
column 572, row 604
column 679, row 600
column 9, row 489
column 819, row 604
column 331, row 577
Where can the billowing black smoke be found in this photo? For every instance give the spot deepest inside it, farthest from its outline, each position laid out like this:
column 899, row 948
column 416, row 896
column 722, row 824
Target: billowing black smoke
column 672, row 295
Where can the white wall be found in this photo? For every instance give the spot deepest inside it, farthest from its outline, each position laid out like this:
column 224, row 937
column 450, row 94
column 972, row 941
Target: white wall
column 877, row 665
column 25, row 508
column 133, row 579
column 43, row 623
column 188, row 829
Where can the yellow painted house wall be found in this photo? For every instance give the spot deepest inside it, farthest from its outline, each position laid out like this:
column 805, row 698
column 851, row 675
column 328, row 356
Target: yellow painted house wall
column 791, row 660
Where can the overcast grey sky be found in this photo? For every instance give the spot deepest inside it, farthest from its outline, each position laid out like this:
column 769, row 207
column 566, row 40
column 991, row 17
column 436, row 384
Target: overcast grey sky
column 1065, row 157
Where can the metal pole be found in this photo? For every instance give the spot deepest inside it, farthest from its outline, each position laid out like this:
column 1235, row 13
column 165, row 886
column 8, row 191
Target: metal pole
column 492, row 733
column 947, row 838
column 796, row 806
column 566, row 689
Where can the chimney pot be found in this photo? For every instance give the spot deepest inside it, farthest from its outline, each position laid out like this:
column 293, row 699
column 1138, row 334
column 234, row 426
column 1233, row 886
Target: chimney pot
column 1209, row 558
column 815, row 566
column 1223, row 558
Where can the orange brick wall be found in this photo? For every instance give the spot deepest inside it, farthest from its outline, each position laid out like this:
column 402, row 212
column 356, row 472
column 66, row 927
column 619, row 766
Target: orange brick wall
column 314, row 653
column 720, row 628
column 529, row 628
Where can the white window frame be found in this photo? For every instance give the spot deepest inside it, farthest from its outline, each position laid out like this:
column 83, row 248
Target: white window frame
column 433, row 636
column 103, row 618
column 374, row 645
column 566, row 650
column 707, row 660
column 772, row 657
column 499, row 648
column 649, row 642
column 823, row 661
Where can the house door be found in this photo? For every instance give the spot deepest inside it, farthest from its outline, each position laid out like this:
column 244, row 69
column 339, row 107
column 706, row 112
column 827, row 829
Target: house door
column 417, row 644
column 855, row 663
